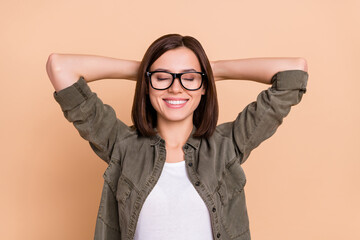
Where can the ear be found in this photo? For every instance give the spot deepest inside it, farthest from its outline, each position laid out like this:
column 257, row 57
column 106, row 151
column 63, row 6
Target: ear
column 203, row 91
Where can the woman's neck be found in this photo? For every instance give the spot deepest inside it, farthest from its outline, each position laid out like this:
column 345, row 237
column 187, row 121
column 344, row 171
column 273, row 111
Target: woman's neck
column 175, row 134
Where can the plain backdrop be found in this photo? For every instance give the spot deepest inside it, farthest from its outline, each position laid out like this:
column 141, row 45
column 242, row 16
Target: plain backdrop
column 302, row 183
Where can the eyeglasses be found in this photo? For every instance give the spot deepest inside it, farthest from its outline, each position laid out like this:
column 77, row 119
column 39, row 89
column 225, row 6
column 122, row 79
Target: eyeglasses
column 161, row 80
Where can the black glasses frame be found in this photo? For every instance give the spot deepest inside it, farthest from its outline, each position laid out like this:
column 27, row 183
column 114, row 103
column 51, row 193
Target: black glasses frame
column 174, row 76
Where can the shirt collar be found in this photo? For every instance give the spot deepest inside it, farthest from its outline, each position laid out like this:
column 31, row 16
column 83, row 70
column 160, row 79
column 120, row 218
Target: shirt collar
column 192, row 141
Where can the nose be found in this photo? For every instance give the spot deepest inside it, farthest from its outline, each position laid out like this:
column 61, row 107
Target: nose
column 176, row 86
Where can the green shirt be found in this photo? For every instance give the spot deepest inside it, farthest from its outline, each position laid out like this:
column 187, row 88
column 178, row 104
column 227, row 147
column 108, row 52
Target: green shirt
column 213, row 165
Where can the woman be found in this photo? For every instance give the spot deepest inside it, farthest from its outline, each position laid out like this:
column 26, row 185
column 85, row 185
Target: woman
column 174, row 174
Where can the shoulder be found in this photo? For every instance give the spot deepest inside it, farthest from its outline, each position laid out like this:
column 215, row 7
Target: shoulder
column 224, row 130
column 132, row 139
column 222, row 135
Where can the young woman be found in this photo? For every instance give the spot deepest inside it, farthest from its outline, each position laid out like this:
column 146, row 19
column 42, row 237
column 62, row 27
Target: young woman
column 174, row 174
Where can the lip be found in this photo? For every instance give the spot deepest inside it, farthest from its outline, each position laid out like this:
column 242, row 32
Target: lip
column 175, row 106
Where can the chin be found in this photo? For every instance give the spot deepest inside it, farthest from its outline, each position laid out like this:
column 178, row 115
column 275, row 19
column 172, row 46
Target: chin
column 175, row 118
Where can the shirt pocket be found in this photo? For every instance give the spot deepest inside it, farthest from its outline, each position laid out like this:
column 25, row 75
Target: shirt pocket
column 232, row 182
column 123, row 194
column 124, row 189
column 233, row 212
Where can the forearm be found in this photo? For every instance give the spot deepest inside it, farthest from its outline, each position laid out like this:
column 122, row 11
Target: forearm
column 255, row 69
column 65, row 69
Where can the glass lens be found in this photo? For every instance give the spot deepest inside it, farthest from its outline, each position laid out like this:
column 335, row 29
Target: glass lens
column 191, row 80
column 161, row 80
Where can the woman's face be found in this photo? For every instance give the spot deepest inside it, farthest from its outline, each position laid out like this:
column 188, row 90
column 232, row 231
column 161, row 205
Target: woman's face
column 176, row 103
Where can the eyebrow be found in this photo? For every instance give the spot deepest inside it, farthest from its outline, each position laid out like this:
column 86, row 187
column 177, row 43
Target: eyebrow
column 184, row 70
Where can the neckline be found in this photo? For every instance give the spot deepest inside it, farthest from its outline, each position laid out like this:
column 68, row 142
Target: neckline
column 169, row 164
column 192, row 141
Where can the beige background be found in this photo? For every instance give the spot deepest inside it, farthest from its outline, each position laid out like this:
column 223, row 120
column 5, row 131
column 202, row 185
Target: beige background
column 303, row 183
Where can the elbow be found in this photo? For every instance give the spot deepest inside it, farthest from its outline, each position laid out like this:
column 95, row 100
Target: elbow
column 54, row 70
column 302, row 64
column 52, row 64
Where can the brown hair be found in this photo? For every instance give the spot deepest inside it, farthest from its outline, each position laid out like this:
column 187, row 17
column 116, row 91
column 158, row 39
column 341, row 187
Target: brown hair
column 144, row 116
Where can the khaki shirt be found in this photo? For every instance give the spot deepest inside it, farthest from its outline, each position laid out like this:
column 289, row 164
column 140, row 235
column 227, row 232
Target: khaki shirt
column 213, row 165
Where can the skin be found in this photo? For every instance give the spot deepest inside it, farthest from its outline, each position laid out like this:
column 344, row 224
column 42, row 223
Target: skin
column 175, row 123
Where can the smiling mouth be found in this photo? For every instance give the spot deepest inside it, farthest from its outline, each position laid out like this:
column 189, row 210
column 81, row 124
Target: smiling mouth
column 175, row 102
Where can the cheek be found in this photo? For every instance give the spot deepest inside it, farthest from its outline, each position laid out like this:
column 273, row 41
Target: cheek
column 153, row 100
column 203, row 91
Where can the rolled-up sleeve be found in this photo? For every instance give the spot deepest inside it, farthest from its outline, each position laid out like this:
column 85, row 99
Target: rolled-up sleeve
column 260, row 119
column 95, row 121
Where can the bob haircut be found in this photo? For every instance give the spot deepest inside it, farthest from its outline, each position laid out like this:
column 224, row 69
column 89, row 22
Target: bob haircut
column 144, row 116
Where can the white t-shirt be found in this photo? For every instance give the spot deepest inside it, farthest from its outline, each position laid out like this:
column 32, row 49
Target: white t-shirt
column 174, row 210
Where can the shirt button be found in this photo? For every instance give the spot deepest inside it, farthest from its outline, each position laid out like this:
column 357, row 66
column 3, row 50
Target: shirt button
column 190, row 164
column 197, row 183
column 218, row 235
column 214, row 209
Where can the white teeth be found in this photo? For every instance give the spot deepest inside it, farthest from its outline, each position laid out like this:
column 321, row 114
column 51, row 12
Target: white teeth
column 176, row 101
